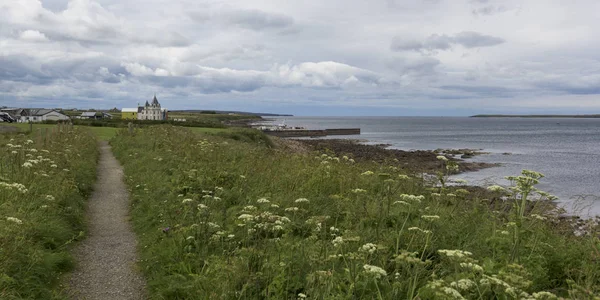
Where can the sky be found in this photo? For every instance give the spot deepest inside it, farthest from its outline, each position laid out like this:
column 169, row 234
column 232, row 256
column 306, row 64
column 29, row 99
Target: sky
column 309, row 57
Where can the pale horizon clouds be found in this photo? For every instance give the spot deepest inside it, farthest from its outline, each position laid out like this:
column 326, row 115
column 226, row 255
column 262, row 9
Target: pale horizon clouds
column 352, row 57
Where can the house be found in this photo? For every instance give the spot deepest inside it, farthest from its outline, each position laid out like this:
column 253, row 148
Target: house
column 26, row 115
column 95, row 115
column 129, row 113
column 152, row 111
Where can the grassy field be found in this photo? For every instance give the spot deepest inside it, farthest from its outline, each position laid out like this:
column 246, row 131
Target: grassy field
column 228, row 216
column 102, row 133
column 43, row 186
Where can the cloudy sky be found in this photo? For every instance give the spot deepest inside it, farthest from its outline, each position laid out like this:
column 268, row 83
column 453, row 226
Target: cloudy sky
column 309, row 57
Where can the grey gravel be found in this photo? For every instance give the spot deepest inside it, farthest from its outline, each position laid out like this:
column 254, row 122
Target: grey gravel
column 106, row 258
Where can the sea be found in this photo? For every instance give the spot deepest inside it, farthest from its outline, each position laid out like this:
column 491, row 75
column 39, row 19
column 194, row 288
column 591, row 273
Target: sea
column 565, row 150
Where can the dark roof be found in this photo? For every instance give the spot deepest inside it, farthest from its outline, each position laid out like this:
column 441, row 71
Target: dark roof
column 36, row 112
column 155, row 101
column 141, row 108
column 88, row 114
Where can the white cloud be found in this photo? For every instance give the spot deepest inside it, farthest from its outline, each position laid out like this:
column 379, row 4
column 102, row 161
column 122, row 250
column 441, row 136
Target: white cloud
column 33, row 36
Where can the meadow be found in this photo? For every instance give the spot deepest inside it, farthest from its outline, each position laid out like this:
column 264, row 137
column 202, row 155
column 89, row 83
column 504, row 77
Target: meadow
column 229, row 215
column 44, row 183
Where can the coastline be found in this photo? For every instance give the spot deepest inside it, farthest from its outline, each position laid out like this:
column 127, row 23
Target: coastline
column 417, row 161
column 420, row 162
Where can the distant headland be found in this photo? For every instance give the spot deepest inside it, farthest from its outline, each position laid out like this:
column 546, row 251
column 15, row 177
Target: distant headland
column 536, row 116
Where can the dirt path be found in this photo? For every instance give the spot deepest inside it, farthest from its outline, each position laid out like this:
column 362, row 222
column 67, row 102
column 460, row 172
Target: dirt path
column 106, row 258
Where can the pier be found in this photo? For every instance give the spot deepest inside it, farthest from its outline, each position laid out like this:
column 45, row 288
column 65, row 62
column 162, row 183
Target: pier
column 313, row 133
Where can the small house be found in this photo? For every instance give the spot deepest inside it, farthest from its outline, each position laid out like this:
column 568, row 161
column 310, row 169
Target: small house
column 95, row 115
column 129, row 113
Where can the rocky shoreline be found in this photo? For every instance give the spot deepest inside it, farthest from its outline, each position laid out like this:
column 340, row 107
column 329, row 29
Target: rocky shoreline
column 417, row 161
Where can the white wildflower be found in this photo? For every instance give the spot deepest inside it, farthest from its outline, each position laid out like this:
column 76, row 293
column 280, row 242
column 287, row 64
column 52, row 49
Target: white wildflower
column 27, row 165
column 15, row 220
column 463, row 284
column 337, row 241
column 301, row 295
column 442, row 158
column 301, row 200
column 536, row 216
column 53, row 166
column 292, row 209
column 262, row 200
column 496, row 188
column 455, row 253
column 430, row 218
column 50, row 198
column 367, row 173
column 375, row 271
column 472, row 267
column 357, row 191
column 453, row 293
column 202, row 206
column 188, row 200
column 246, row 217
column 368, row 248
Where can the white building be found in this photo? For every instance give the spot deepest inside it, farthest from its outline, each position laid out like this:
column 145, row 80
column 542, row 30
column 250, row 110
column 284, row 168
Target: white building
column 26, row 115
column 152, row 111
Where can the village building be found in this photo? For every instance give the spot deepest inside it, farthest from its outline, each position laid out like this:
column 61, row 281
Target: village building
column 26, row 115
column 95, row 115
column 150, row 111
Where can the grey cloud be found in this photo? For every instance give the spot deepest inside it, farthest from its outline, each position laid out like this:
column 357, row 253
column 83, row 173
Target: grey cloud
column 481, row 90
column 420, row 66
column 436, row 42
column 471, row 39
column 250, row 19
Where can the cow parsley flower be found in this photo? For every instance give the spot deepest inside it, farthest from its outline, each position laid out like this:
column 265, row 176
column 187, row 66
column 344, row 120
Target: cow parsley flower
column 496, row 188
column 368, row 248
column 188, row 200
column 430, row 218
column 367, row 173
column 301, row 200
column 262, row 200
column 375, row 271
column 246, row 217
column 403, row 177
column 50, row 198
column 455, row 253
column 53, row 166
column 292, row 209
column 15, row 220
column 358, row 191
column 27, row 165
column 337, row 241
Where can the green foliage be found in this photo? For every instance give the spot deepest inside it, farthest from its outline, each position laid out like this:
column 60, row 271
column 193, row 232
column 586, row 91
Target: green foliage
column 224, row 217
column 43, row 187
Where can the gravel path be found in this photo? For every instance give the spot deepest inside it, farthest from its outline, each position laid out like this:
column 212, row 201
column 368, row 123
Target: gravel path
column 106, row 258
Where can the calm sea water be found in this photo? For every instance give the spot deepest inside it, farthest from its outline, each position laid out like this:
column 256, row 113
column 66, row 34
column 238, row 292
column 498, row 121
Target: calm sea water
column 565, row 150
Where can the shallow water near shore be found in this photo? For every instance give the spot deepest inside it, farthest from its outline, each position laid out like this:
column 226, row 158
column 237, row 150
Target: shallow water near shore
column 566, row 150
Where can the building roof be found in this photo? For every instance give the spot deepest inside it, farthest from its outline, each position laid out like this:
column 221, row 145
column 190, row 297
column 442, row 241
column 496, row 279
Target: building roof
column 88, row 114
column 129, row 110
column 37, row 112
column 155, row 101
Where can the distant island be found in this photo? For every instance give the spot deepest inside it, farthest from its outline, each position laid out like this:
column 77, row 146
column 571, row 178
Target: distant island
column 536, row 116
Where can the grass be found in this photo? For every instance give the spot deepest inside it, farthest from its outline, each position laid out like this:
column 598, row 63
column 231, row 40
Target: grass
column 44, row 182
column 228, row 216
column 102, row 133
